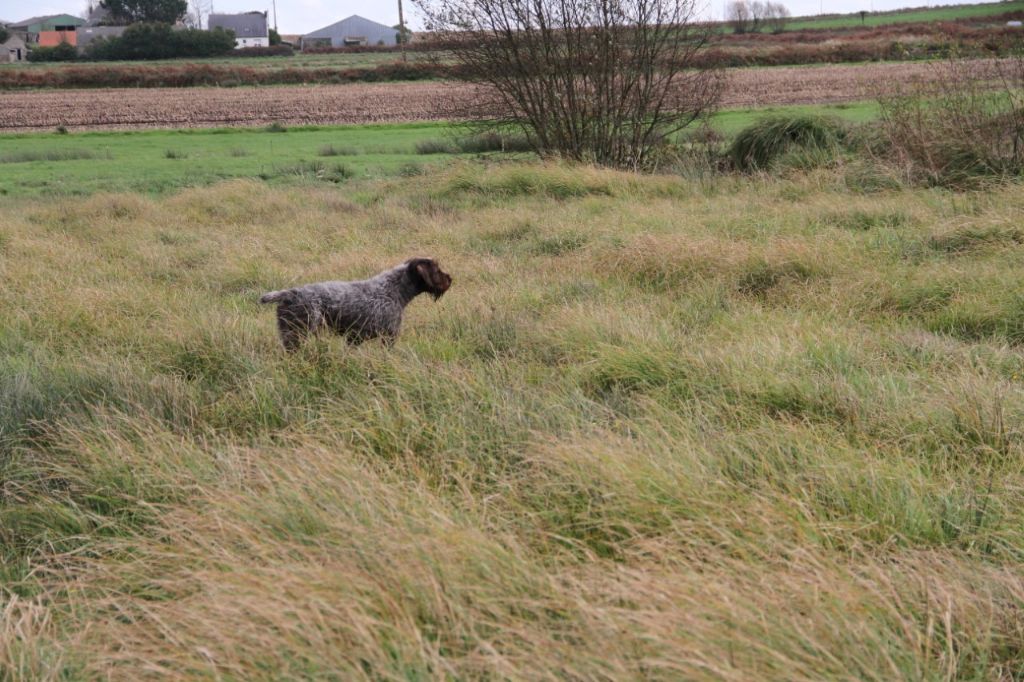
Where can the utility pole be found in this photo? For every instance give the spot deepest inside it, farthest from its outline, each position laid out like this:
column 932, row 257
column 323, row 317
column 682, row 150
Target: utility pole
column 401, row 29
column 275, row 14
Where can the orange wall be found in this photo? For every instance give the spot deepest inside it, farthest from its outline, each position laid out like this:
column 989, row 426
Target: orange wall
column 55, row 38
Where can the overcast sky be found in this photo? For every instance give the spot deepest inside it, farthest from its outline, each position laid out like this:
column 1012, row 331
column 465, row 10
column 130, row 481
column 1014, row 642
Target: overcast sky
column 305, row 16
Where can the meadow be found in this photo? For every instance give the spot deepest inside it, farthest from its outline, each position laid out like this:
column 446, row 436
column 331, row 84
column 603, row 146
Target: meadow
column 980, row 11
column 668, row 426
column 158, row 161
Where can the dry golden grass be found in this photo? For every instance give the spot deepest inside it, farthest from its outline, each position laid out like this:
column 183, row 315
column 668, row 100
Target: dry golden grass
column 755, row 428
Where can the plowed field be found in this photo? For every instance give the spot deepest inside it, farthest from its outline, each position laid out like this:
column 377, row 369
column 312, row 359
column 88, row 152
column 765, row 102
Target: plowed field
column 396, row 102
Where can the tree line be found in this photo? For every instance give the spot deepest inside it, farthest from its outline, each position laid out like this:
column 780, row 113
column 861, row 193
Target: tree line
column 750, row 16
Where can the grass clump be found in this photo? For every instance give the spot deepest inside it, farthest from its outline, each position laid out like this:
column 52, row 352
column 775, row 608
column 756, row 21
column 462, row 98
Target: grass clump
column 435, row 147
column 49, row 155
column 765, row 142
column 337, row 150
column 318, row 170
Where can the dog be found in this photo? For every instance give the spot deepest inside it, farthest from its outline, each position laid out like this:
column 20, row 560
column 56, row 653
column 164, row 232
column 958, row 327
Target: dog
column 359, row 311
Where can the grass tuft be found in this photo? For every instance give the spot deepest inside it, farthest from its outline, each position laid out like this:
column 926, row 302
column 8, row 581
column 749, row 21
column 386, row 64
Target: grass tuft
column 764, row 143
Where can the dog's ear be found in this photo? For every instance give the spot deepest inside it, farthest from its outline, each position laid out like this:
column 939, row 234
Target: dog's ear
column 435, row 280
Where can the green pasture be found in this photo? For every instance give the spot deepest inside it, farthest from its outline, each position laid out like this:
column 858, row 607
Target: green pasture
column 921, row 14
column 156, row 161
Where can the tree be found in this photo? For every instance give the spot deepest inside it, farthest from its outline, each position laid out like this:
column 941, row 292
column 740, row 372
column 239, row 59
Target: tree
column 4, row 34
column 161, row 41
column 135, row 11
column 606, row 81
column 737, row 13
column 777, row 17
column 275, row 37
column 198, row 11
column 754, row 15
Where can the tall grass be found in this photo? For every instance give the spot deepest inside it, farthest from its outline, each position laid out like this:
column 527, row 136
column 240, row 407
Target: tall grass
column 761, row 429
column 766, row 141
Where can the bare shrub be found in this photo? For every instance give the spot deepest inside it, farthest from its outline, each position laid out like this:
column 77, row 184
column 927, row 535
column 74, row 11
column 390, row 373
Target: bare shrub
column 965, row 125
column 587, row 80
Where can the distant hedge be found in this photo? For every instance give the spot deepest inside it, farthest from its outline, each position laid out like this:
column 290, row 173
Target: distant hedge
column 272, row 51
column 160, row 41
column 225, row 75
column 60, row 53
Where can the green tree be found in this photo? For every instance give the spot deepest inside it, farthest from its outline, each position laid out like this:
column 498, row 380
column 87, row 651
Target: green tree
column 4, row 34
column 134, row 11
column 275, row 37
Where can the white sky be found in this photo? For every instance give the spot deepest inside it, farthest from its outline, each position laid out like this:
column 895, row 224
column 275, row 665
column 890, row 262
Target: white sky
column 305, row 16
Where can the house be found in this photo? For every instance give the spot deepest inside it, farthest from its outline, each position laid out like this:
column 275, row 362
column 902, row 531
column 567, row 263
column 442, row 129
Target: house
column 13, row 50
column 352, row 32
column 29, row 30
column 251, row 29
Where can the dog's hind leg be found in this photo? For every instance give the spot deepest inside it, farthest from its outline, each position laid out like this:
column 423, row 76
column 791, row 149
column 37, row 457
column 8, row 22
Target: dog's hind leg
column 295, row 323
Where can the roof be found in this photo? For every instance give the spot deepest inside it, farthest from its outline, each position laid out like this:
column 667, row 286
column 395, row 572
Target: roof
column 359, row 23
column 39, row 20
column 245, row 25
column 13, row 41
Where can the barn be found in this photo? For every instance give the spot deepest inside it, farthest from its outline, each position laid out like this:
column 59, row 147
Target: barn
column 54, row 28
column 352, row 32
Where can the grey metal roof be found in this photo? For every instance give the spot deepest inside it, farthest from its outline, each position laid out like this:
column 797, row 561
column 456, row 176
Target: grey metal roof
column 356, row 26
column 246, row 25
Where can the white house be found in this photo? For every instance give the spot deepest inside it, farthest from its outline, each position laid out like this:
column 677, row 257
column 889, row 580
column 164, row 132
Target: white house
column 251, row 28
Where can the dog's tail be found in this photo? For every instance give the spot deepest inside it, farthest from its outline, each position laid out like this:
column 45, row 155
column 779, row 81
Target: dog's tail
column 276, row 296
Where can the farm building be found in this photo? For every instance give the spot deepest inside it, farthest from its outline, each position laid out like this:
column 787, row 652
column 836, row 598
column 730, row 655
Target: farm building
column 13, row 50
column 55, row 38
column 53, row 26
column 351, row 32
column 251, row 29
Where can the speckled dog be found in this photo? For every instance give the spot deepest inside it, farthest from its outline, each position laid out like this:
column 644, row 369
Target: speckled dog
column 366, row 309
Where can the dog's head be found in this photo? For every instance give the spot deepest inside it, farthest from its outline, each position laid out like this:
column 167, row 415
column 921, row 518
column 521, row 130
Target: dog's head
column 429, row 276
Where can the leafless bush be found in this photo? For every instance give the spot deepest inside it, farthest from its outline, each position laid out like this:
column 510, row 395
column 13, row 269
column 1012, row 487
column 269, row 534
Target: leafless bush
column 964, row 125
column 606, row 81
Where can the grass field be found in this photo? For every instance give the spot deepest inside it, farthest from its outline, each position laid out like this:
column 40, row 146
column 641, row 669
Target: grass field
column 161, row 161
column 731, row 427
column 922, row 14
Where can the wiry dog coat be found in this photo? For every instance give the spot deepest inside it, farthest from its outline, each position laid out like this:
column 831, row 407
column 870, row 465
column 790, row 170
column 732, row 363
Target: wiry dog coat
column 361, row 310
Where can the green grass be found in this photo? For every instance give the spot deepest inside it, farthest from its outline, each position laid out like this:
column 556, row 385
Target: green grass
column 923, row 14
column 748, row 427
column 163, row 161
